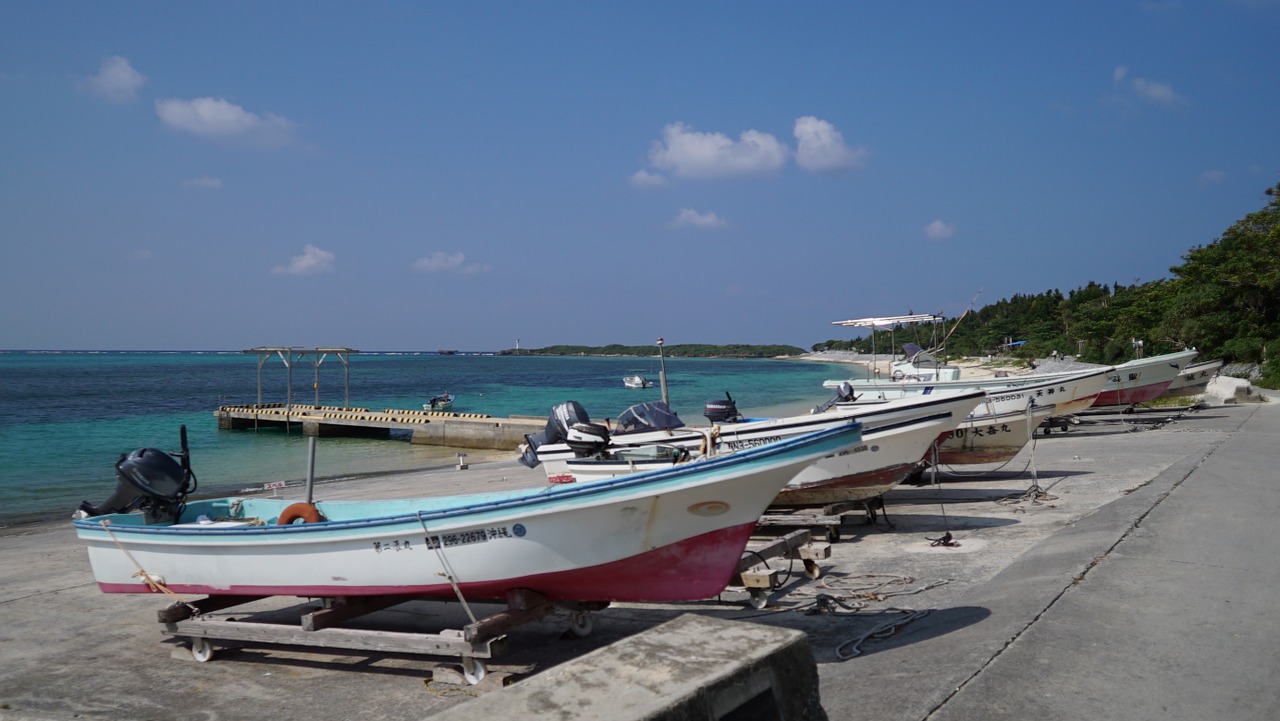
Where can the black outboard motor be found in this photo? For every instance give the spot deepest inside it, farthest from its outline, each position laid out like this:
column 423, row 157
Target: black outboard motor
column 587, row 439
column 722, row 411
column 562, row 417
column 152, row 481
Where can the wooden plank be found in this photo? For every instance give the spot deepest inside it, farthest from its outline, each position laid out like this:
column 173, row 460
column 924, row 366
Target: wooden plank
column 442, row 644
column 345, row 608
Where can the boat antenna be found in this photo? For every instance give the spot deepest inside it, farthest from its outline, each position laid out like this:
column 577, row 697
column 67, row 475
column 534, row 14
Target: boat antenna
column 662, row 373
column 962, row 315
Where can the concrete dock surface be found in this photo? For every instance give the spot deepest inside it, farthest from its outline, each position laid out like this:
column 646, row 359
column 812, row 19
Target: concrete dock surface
column 1125, row 569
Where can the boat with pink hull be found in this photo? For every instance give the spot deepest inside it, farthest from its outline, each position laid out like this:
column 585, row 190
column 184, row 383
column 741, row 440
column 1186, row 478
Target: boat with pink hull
column 673, row 534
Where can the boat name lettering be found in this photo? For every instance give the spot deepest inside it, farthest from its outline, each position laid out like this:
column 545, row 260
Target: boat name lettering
column 749, row 442
column 396, row 545
column 462, row 538
column 855, row 449
column 980, row 432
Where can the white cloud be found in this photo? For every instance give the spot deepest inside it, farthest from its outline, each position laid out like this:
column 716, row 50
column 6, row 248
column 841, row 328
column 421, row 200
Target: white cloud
column 312, row 261
column 217, row 118
column 439, row 262
column 203, row 182
column 690, row 218
column 691, row 154
column 117, row 81
column 820, row 147
column 1149, row 90
column 645, row 179
column 1213, row 176
column 938, row 230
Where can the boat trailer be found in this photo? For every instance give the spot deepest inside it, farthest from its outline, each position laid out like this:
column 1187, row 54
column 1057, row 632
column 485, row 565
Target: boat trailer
column 474, row 643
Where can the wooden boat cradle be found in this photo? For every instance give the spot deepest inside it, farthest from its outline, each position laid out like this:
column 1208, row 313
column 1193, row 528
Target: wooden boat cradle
column 483, row 638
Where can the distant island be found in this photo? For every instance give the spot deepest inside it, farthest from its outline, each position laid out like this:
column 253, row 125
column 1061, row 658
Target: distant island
column 683, row 350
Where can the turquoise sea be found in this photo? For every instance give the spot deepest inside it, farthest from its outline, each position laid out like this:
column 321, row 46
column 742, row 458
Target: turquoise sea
column 66, row 417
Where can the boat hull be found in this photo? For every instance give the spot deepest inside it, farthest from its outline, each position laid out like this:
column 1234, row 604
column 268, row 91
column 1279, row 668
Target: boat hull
column 1142, row 380
column 668, row 535
column 991, row 439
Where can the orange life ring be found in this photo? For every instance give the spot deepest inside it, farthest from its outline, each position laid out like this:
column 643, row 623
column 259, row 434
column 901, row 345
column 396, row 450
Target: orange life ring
column 305, row 512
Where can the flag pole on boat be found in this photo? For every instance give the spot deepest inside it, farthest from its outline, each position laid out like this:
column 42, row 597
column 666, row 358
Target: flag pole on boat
column 662, row 373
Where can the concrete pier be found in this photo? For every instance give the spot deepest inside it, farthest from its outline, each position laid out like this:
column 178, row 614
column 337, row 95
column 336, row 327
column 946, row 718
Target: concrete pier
column 442, row 428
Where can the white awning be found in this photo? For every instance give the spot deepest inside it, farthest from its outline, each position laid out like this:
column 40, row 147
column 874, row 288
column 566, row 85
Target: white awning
column 888, row 320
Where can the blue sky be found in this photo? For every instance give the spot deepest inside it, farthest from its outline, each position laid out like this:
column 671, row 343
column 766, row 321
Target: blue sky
column 417, row 176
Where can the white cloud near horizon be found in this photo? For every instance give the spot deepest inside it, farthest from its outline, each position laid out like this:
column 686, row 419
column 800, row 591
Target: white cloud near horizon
column 440, row 262
column 645, row 179
column 203, row 182
column 690, row 218
column 820, row 147
column 1213, row 176
column 1151, row 91
column 218, row 118
column 312, row 261
column 116, row 81
column 687, row 153
column 938, row 230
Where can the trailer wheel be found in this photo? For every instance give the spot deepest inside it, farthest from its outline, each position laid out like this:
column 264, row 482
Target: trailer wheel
column 201, row 649
column 581, row 624
column 759, row 598
column 473, row 669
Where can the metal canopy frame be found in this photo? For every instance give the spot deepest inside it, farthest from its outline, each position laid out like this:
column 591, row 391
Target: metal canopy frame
column 290, row 355
column 891, row 322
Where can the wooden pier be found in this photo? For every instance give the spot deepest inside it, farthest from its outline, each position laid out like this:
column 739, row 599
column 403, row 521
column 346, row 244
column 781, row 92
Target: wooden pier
column 440, row 428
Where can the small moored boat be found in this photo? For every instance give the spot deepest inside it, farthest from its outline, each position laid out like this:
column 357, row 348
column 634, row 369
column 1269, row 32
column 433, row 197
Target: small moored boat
column 442, row 402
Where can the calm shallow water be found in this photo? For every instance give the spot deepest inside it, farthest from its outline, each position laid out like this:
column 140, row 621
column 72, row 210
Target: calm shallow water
column 65, row 418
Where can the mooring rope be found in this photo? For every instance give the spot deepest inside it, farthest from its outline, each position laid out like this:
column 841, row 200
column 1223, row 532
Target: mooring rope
column 448, row 570
column 152, row 582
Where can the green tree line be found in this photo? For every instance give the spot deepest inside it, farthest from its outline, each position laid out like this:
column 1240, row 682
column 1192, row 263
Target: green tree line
column 681, row 350
column 1223, row 299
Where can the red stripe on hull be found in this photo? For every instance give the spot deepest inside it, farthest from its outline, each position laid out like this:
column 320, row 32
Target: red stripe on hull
column 693, row 569
column 1129, row 396
column 966, row 456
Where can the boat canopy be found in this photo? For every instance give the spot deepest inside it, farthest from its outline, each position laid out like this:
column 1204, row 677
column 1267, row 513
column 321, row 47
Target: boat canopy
column 650, row 416
column 889, row 320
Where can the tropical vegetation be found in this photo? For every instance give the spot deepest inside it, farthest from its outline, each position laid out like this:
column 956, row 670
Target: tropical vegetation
column 1223, row 299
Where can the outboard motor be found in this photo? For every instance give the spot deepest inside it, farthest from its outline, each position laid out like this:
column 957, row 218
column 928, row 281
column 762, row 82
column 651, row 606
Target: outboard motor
column 562, row 417
column 587, row 439
column 721, row 411
column 152, row 481
column 844, row 394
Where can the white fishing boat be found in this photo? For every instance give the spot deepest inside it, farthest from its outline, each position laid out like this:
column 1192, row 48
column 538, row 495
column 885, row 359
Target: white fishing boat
column 637, row 381
column 1194, row 378
column 992, row 438
column 1066, row 393
column 895, row 438
column 673, row 534
column 1143, row 379
column 442, row 402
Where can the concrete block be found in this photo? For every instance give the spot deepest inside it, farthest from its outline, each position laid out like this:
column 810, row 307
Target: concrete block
column 692, row 668
column 1224, row 390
